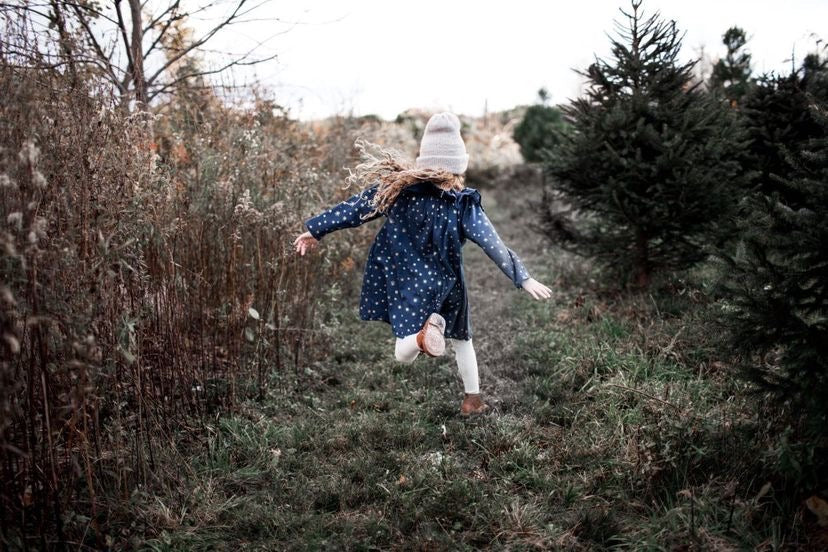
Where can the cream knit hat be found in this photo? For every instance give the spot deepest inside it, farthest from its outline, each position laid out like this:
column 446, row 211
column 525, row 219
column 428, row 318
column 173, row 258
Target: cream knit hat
column 441, row 146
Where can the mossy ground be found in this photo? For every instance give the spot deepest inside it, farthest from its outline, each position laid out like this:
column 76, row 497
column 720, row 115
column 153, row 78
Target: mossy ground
column 615, row 426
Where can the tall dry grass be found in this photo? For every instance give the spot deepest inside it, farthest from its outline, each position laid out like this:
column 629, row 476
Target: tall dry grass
column 147, row 280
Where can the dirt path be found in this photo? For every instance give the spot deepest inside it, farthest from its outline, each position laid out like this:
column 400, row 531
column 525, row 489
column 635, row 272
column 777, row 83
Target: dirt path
column 493, row 297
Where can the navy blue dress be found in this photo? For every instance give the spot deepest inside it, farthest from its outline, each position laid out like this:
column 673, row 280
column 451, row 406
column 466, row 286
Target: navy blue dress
column 415, row 266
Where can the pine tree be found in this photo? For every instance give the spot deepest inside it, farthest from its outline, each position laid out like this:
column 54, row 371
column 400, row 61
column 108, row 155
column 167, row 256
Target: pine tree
column 650, row 166
column 539, row 131
column 777, row 117
column 776, row 289
column 776, row 285
column 731, row 76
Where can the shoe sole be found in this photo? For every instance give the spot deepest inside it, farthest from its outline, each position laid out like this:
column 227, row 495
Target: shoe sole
column 434, row 342
column 478, row 412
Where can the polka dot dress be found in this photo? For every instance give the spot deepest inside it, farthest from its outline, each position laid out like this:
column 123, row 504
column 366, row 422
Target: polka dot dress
column 415, row 266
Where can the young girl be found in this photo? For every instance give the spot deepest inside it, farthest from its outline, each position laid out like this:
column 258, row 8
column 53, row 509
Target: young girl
column 414, row 274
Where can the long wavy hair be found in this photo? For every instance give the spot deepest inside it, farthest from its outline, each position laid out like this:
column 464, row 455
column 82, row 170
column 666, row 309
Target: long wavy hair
column 388, row 168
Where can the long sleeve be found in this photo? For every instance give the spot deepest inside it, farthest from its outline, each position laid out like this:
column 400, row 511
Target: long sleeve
column 347, row 214
column 478, row 228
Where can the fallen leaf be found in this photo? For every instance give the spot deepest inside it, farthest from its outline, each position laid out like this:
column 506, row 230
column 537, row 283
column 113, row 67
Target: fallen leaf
column 763, row 491
column 819, row 507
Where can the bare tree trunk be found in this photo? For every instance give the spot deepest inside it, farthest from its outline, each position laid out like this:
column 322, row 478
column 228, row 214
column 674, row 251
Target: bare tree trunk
column 641, row 266
column 65, row 42
column 138, row 77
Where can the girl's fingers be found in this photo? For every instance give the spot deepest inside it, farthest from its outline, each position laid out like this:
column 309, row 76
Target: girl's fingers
column 303, row 244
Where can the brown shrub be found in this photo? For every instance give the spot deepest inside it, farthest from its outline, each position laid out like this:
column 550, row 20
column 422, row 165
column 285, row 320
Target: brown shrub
column 147, row 279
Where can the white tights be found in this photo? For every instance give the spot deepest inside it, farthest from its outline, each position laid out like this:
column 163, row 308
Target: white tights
column 406, row 351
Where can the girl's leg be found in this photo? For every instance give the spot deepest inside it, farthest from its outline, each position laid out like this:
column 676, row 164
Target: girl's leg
column 406, row 349
column 466, row 364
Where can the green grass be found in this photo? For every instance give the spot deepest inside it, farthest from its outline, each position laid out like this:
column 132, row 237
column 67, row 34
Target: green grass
column 613, row 428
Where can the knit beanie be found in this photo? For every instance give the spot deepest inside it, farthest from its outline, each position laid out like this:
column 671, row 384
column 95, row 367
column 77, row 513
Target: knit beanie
column 441, row 146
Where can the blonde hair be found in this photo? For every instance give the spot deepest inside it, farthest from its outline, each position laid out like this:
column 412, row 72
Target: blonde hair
column 387, row 168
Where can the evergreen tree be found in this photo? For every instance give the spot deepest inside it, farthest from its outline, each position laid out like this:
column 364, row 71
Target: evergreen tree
column 776, row 283
column 539, row 130
column 777, row 118
column 650, row 166
column 776, row 288
column 731, row 75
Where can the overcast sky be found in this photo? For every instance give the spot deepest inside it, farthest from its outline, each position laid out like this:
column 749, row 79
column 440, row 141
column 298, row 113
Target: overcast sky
column 383, row 57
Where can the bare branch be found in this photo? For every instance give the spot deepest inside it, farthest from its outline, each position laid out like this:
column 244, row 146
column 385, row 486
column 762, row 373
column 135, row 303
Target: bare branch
column 27, row 7
column 195, row 44
column 44, row 60
column 173, row 18
column 122, row 29
column 169, row 9
column 235, row 63
column 119, row 48
column 109, row 67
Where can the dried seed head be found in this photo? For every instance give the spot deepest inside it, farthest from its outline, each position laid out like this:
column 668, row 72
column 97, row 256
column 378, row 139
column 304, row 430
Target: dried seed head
column 39, row 225
column 15, row 219
column 39, row 180
column 7, row 296
column 7, row 182
column 29, row 153
column 12, row 343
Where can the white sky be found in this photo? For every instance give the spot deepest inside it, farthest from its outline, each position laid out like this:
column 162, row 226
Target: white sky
column 383, row 57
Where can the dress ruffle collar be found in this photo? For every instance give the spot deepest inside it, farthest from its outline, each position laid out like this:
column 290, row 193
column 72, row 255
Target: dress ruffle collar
column 470, row 194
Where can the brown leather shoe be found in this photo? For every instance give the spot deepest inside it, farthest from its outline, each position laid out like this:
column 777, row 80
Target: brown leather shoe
column 430, row 338
column 473, row 405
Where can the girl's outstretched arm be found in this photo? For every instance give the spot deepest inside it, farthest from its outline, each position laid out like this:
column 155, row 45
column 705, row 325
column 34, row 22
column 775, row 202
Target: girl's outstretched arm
column 478, row 228
column 347, row 214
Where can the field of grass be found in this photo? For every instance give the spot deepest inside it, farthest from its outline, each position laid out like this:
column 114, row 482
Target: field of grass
column 615, row 426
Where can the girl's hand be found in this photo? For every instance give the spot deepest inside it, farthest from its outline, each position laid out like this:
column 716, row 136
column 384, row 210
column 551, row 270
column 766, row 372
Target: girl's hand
column 304, row 243
column 536, row 289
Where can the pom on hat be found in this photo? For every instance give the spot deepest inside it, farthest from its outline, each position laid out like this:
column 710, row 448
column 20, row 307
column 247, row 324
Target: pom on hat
column 442, row 146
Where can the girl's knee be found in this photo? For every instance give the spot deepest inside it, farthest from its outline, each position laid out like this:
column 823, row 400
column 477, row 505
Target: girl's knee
column 461, row 344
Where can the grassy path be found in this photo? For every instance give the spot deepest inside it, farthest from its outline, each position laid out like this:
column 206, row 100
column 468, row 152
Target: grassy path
column 609, row 430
